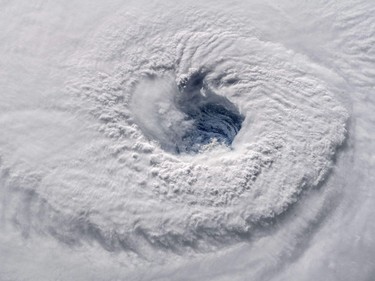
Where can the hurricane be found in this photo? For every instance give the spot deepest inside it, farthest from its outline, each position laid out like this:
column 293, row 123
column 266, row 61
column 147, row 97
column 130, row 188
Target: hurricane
column 196, row 140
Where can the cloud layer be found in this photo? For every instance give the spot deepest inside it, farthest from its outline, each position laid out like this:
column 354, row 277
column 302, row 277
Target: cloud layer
column 199, row 141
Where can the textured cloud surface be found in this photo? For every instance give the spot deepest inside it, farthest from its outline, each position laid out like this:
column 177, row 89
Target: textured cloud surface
column 187, row 141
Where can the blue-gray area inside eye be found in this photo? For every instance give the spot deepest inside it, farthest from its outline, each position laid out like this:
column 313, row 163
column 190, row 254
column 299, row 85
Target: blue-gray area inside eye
column 214, row 117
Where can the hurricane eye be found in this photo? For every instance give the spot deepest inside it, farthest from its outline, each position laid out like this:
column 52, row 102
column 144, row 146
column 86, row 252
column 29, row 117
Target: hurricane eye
column 214, row 117
column 185, row 117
